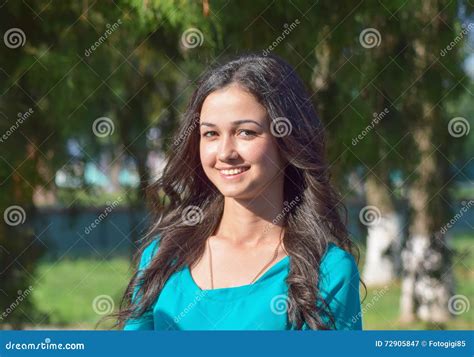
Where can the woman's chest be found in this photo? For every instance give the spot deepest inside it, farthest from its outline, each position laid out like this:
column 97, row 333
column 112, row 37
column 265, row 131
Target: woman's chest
column 183, row 306
column 230, row 269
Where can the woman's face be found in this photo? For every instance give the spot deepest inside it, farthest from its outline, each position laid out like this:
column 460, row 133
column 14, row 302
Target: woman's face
column 235, row 133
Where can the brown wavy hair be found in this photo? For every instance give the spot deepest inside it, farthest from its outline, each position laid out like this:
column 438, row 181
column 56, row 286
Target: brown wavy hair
column 319, row 217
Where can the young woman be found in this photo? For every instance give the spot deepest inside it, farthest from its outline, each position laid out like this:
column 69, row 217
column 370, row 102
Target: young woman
column 248, row 233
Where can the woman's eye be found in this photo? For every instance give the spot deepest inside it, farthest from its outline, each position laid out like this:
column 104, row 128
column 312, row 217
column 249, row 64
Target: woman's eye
column 248, row 132
column 207, row 132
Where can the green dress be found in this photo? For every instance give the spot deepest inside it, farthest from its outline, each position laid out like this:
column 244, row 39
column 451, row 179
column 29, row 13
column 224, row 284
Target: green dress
column 263, row 305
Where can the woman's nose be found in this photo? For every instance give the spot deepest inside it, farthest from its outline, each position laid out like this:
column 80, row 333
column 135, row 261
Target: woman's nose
column 227, row 150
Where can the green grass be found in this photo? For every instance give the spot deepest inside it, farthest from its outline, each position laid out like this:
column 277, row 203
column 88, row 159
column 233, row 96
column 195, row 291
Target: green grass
column 66, row 290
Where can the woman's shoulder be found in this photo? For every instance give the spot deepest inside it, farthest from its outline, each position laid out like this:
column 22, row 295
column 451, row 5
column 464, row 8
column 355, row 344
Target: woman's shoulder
column 338, row 264
column 334, row 252
column 339, row 286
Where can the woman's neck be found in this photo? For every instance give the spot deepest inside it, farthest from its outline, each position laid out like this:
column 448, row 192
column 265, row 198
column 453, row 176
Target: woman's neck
column 250, row 224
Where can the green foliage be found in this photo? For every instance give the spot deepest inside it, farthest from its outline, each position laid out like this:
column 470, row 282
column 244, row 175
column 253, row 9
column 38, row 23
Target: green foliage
column 93, row 198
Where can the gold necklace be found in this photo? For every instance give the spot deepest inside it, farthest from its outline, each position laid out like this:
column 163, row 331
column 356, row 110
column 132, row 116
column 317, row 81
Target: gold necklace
column 275, row 255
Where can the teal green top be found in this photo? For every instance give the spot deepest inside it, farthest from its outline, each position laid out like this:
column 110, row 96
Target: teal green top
column 183, row 305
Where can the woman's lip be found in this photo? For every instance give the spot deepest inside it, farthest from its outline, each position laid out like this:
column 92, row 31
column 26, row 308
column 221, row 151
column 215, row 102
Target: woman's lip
column 235, row 167
column 231, row 177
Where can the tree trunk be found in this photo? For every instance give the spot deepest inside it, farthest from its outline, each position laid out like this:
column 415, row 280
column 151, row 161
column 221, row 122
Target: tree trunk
column 384, row 238
column 427, row 270
column 427, row 277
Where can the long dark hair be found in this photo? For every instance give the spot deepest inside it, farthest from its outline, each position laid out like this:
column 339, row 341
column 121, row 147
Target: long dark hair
column 317, row 218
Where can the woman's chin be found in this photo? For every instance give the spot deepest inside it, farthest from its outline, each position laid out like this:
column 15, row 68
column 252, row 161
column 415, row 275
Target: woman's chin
column 234, row 193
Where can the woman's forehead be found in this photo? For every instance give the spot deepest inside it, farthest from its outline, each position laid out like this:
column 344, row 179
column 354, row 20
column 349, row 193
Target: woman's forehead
column 231, row 104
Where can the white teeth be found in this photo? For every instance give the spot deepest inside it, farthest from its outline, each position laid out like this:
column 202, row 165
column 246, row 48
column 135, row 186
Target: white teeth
column 233, row 171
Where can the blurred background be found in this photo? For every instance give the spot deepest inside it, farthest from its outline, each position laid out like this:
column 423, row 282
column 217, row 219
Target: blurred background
column 92, row 91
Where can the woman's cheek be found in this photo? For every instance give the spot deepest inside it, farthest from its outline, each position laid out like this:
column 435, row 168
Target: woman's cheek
column 262, row 154
column 253, row 151
column 208, row 154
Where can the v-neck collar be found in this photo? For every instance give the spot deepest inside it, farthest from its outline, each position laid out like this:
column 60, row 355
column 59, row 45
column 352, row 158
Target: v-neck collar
column 236, row 291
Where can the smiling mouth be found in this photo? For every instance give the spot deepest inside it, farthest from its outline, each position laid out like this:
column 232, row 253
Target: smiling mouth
column 234, row 172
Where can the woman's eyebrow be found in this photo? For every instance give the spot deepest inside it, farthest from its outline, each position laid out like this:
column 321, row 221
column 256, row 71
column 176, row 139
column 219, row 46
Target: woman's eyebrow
column 235, row 123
